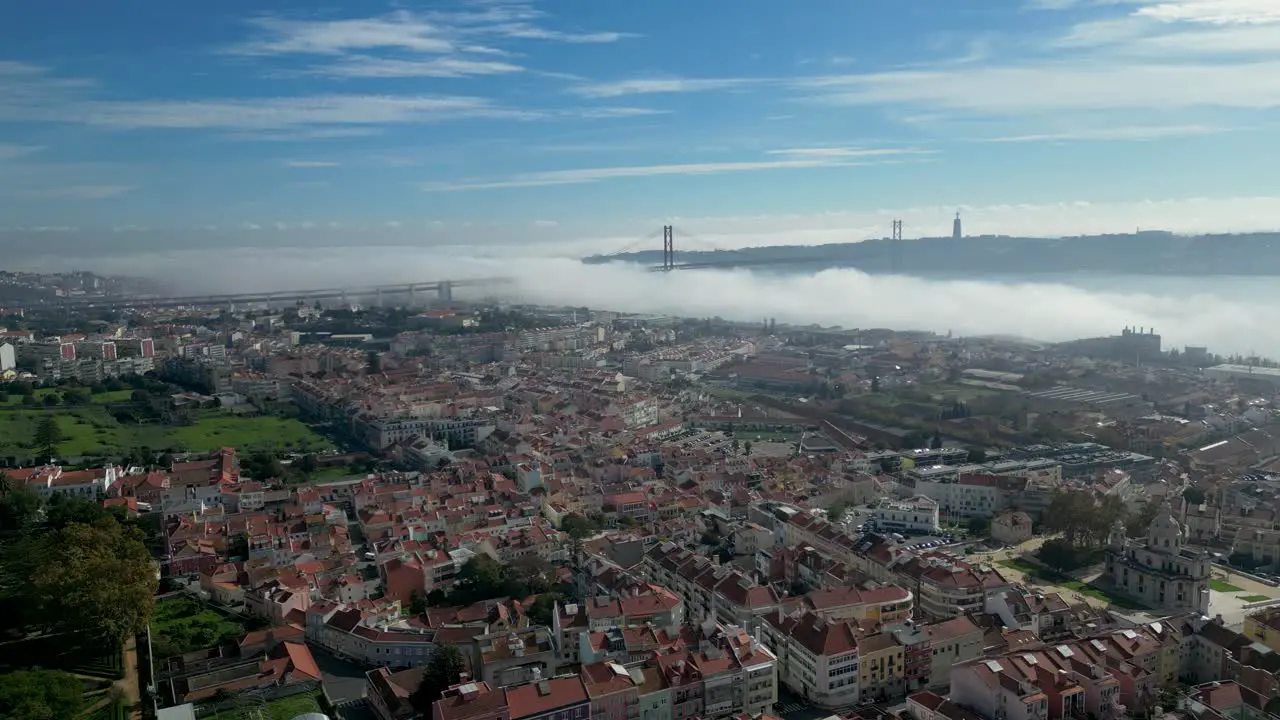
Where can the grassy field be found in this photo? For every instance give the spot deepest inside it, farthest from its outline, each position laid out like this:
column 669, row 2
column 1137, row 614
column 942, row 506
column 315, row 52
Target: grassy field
column 1022, row 566
column 957, row 391
column 182, row 625
column 331, row 473
column 1223, row 587
column 1254, row 598
column 90, row 431
column 217, row 429
column 282, row 709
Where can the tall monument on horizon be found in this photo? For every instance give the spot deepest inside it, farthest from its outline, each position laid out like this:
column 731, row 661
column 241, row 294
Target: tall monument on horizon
column 955, row 228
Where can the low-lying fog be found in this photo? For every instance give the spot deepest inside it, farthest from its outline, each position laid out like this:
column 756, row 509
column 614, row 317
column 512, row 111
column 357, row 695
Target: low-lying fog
column 1228, row 314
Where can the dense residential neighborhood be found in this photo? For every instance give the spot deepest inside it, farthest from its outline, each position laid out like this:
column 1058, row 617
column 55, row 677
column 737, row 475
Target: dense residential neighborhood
column 627, row 518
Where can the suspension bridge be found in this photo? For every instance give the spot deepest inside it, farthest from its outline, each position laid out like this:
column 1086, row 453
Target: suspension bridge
column 703, row 255
column 706, row 255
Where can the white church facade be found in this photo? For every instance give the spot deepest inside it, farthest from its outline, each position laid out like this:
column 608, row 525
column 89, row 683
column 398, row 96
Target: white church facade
column 1161, row 571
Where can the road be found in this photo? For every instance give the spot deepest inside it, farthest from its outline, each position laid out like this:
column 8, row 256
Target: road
column 343, row 681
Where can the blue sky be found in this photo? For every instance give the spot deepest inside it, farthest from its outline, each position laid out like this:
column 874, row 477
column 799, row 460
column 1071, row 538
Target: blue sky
column 752, row 120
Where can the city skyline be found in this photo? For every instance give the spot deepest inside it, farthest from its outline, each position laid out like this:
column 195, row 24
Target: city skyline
column 540, row 123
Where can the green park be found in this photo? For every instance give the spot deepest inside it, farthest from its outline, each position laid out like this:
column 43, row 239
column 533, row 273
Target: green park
column 120, row 423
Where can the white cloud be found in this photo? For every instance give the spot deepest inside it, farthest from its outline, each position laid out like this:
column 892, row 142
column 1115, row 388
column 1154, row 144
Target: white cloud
column 605, row 113
column 289, row 112
column 1214, row 12
column 1237, row 40
column 300, row 134
column 589, row 175
column 522, row 31
column 77, row 192
column 363, row 66
column 848, row 152
column 11, row 152
column 400, row 30
column 1060, row 86
column 1129, row 133
column 437, row 33
column 657, row 85
column 32, row 92
column 311, row 164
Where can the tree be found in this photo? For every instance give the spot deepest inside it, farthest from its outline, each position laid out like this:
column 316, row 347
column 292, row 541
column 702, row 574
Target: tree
column 40, row 695
column 48, row 436
column 1137, row 524
column 417, row 603
column 746, row 447
column 577, row 526
column 837, row 510
column 977, row 456
column 223, row 695
column 79, row 396
column 51, row 400
column 443, row 671
column 28, row 399
column 96, row 582
column 63, row 510
column 1062, row 555
column 308, row 463
column 373, row 362
column 19, row 506
column 1193, row 496
column 482, row 578
column 1080, row 520
column 978, row 525
column 935, row 443
column 541, row 609
column 529, row 575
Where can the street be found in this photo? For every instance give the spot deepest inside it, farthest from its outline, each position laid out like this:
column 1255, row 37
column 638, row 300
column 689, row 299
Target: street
column 343, row 681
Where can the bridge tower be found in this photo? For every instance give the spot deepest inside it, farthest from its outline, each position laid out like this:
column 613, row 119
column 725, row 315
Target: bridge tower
column 895, row 250
column 412, row 296
column 668, row 248
column 445, row 290
column 377, row 297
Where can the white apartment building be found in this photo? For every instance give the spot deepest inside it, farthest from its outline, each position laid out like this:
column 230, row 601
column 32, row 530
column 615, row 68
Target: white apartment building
column 917, row 515
column 967, row 496
column 53, row 480
column 817, row 658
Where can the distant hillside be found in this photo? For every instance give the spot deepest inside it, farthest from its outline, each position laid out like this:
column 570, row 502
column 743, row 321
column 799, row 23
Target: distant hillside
column 1146, row 253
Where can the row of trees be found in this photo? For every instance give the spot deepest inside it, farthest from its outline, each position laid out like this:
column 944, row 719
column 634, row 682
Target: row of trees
column 69, row 566
column 1084, row 524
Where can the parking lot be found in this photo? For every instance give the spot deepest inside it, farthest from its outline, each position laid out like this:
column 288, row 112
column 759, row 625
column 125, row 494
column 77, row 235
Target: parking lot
column 861, row 519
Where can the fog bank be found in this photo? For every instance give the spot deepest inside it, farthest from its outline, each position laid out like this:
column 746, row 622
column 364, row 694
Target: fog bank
column 1229, row 315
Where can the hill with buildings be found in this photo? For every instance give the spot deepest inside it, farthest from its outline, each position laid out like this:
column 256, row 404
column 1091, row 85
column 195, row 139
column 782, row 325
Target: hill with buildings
column 1143, row 253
